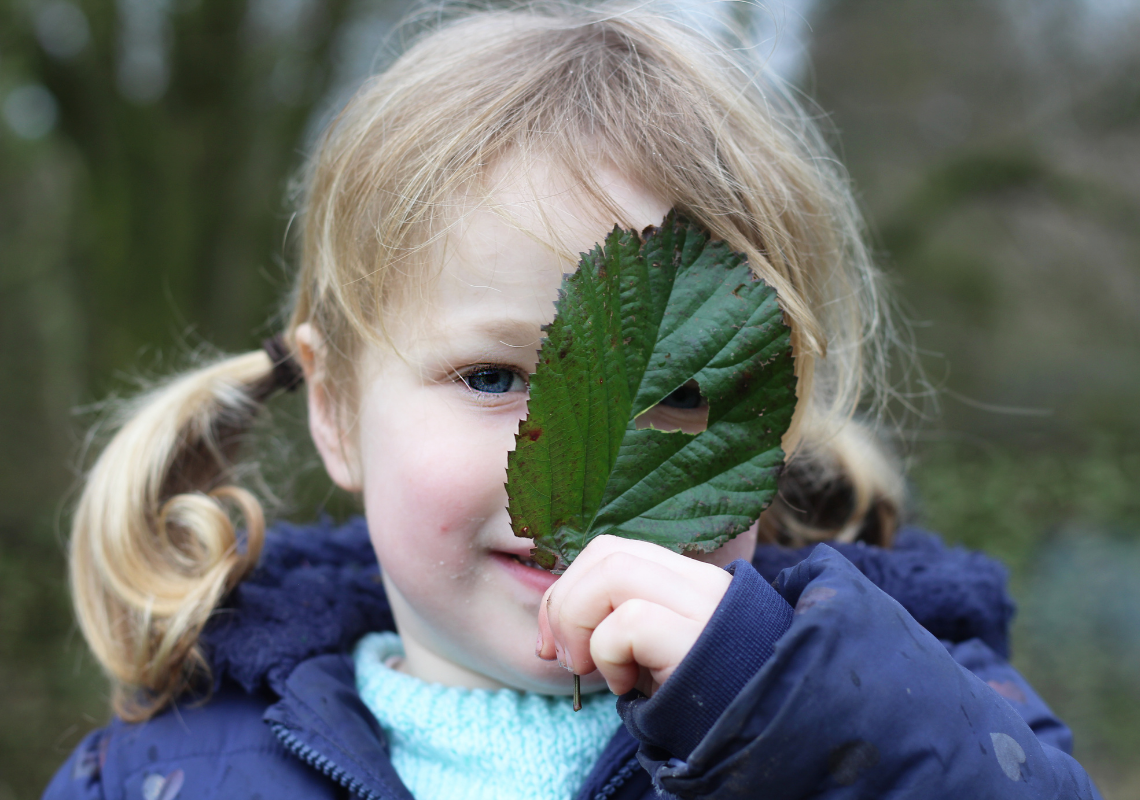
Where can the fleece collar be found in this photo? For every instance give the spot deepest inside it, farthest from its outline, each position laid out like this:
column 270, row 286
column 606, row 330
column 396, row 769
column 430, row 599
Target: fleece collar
column 317, row 590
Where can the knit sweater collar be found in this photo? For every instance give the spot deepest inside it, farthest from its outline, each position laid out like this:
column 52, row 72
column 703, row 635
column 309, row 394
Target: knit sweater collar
column 448, row 742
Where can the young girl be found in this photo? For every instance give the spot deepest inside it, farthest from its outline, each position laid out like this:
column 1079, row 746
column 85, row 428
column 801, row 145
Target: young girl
column 443, row 205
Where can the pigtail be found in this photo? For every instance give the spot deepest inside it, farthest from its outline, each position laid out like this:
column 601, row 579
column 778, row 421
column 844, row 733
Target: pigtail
column 154, row 546
column 843, row 487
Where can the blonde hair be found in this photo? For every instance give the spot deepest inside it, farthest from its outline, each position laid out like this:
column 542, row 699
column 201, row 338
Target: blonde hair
column 154, row 549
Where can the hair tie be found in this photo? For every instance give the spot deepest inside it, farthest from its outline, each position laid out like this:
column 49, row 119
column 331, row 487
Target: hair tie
column 287, row 372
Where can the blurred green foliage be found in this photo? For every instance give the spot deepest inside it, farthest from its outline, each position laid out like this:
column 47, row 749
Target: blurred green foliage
column 146, row 150
column 1006, row 501
column 148, row 221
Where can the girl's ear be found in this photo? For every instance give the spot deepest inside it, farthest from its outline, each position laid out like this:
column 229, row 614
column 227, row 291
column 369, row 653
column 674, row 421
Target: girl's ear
column 332, row 440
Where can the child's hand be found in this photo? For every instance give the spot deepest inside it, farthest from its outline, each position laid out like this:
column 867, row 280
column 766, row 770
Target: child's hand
column 629, row 609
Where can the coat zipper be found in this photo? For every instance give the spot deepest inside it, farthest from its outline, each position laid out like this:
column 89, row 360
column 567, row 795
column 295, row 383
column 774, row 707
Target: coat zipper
column 321, row 763
column 327, row 767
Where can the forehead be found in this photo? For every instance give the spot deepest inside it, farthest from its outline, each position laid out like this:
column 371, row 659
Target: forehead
column 557, row 213
column 500, row 263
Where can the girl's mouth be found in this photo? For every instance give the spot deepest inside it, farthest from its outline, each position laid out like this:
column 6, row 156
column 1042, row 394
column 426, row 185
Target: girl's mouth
column 525, row 570
column 525, row 561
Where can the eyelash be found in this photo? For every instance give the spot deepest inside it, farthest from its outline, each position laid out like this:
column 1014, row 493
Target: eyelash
column 466, row 375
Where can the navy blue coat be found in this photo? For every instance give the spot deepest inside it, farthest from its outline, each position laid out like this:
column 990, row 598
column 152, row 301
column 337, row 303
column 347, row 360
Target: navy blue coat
column 856, row 673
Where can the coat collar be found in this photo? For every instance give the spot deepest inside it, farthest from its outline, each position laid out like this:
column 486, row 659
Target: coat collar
column 317, row 590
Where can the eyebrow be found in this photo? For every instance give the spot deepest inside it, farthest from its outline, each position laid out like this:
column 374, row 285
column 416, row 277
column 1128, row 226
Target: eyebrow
column 507, row 332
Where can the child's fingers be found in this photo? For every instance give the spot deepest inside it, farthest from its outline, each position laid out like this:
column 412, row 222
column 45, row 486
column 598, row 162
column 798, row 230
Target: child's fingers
column 606, row 545
column 618, row 571
column 689, row 571
column 640, row 635
column 572, row 613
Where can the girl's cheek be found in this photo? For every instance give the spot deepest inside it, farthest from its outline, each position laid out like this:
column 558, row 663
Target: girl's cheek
column 443, row 478
column 459, row 470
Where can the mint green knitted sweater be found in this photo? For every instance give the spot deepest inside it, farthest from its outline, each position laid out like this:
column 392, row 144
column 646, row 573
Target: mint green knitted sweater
column 450, row 743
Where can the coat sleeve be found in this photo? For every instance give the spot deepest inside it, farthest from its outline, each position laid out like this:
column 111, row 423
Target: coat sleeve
column 856, row 700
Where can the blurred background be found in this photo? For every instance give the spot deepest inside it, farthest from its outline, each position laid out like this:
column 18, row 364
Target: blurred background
column 147, row 149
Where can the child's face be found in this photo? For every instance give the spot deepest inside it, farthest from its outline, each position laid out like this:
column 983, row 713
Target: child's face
column 438, row 414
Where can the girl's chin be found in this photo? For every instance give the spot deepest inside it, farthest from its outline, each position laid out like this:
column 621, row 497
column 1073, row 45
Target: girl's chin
column 532, row 674
column 561, row 684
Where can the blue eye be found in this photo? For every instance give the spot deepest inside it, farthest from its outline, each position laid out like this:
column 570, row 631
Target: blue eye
column 688, row 396
column 495, row 380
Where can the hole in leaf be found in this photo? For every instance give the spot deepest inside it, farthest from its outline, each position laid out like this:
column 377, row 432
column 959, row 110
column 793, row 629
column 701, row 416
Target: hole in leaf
column 685, row 409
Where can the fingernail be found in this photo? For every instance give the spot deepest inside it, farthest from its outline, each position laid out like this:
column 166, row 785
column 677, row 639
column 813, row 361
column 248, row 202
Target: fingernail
column 569, row 662
column 561, row 656
column 538, row 645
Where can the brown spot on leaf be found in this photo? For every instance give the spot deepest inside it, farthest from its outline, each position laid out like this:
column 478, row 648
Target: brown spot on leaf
column 533, row 434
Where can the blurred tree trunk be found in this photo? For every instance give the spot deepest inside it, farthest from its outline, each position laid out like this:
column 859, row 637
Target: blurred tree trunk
column 180, row 202
column 139, row 226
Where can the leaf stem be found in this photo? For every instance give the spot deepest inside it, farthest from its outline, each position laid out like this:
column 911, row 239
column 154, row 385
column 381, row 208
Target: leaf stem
column 577, row 692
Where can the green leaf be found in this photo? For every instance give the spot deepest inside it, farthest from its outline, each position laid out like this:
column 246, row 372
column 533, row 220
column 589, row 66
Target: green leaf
column 642, row 316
